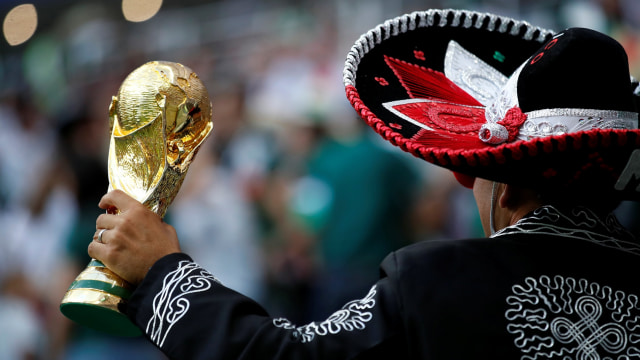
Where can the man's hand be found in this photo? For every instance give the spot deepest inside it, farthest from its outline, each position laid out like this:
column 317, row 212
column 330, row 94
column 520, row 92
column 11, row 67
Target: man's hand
column 134, row 237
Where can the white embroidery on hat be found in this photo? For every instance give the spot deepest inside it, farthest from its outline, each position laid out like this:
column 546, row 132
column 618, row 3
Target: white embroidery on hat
column 352, row 316
column 561, row 317
column 170, row 304
column 548, row 122
column 472, row 75
column 505, row 100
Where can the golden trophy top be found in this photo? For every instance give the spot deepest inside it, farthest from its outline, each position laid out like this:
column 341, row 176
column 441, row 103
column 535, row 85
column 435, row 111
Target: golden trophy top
column 158, row 120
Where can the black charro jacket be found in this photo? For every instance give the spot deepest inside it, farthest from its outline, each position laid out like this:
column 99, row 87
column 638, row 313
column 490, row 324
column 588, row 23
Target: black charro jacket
column 553, row 286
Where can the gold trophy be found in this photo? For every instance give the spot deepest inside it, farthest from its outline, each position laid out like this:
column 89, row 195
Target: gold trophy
column 158, row 120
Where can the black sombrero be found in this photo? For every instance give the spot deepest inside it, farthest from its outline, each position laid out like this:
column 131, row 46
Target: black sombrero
column 492, row 97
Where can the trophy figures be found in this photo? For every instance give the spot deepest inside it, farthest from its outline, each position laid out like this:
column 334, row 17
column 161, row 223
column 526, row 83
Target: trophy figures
column 158, row 120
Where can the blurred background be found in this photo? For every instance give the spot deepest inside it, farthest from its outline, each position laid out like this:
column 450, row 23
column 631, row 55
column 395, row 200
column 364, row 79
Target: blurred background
column 291, row 202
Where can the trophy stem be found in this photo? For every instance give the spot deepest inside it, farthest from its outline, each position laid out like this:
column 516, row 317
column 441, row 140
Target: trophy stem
column 94, row 300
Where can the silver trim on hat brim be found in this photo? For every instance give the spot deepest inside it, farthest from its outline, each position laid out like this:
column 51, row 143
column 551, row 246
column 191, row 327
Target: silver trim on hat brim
column 419, row 19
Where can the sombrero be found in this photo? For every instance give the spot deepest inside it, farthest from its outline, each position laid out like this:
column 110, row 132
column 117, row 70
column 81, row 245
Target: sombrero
column 492, row 97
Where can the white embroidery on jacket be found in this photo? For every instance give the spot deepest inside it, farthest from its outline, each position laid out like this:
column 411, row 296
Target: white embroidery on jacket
column 565, row 318
column 580, row 223
column 352, row 316
column 170, row 304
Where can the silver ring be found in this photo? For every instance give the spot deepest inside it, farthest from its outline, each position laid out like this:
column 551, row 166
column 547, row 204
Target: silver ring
column 100, row 235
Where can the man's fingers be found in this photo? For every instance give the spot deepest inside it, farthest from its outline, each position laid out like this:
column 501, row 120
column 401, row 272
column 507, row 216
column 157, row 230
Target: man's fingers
column 117, row 200
column 97, row 250
column 99, row 235
column 106, row 221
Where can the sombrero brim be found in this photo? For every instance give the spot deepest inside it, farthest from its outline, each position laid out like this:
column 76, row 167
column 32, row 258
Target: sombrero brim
column 373, row 80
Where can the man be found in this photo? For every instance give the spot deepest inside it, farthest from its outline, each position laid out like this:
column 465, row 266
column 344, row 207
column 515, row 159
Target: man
column 543, row 127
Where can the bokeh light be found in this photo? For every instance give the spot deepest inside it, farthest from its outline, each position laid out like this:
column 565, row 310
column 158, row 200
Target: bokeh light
column 20, row 24
column 140, row 10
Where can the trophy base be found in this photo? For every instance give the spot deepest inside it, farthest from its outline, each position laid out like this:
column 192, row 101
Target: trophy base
column 94, row 298
column 97, row 317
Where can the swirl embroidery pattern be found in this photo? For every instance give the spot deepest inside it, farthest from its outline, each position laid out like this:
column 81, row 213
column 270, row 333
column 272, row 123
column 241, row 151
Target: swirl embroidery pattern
column 170, row 304
column 352, row 316
column 583, row 225
column 573, row 319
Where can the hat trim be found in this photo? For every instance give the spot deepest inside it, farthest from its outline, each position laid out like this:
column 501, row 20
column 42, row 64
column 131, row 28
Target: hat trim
column 447, row 17
column 456, row 159
column 558, row 125
column 560, row 121
column 584, row 113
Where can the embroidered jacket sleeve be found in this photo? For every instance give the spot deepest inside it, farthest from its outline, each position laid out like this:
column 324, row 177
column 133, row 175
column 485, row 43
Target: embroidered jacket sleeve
column 189, row 314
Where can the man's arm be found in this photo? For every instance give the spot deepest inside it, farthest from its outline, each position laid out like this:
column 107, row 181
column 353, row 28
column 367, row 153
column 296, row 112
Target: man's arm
column 189, row 314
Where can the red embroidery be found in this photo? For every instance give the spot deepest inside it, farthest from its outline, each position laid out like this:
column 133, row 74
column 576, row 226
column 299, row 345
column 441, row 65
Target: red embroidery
column 395, row 126
column 536, row 58
column 450, row 113
column 486, row 133
column 550, row 44
column 419, row 54
column 381, row 81
column 442, row 116
column 513, row 119
column 424, row 83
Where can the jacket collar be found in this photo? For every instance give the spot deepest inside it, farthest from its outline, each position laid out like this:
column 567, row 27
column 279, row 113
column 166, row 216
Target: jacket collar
column 576, row 223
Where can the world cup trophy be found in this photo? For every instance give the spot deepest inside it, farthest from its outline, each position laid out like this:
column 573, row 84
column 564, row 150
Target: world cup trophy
column 158, row 120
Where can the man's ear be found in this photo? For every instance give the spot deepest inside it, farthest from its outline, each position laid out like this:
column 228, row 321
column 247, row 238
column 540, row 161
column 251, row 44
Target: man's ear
column 513, row 196
column 508, row 195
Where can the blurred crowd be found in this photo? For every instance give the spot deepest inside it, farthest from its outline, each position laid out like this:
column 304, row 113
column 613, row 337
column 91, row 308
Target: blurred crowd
column 292, row 201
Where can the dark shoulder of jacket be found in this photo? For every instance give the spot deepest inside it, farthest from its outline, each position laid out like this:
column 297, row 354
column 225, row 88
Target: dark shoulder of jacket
column 431, row 253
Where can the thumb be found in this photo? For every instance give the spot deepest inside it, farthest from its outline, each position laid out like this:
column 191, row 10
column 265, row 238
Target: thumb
column 117, row 201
